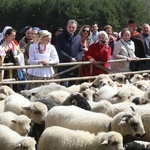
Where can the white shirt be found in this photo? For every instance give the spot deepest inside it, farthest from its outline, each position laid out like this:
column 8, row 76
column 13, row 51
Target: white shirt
column 35, row 56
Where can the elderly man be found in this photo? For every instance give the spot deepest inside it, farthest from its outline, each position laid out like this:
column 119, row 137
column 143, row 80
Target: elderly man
column 69, row 49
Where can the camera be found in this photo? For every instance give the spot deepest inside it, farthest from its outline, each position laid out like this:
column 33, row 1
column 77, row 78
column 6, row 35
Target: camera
column 103, row 41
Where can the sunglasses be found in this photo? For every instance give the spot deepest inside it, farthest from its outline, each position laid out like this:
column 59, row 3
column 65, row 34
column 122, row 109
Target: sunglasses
column 86, row 31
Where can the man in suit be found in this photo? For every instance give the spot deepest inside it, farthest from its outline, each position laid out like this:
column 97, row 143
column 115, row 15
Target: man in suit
column 69, row 49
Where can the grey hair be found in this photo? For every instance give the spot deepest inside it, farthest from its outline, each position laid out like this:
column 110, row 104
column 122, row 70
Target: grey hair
column 145, row 24
column 72, row 21
column 103, row 33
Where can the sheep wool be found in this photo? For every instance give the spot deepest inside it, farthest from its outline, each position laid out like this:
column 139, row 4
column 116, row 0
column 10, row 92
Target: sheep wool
column 56, row 138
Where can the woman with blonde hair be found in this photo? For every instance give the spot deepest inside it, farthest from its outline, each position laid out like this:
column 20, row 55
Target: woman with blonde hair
column 41, row 52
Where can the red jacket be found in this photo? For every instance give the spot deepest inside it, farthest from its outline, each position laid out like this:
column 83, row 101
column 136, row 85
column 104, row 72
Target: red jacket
column 99, row 54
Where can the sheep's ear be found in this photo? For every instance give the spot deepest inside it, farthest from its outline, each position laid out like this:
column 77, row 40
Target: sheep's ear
column 104, row 142
column 13, row 121
column 18, row 146
column 33, row 94
column 74, row 102
column 114, row 96
column 26, row 108
column 123, row 121
column 132, row 108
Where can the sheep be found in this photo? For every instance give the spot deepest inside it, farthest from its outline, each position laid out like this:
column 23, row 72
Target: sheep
column 120, row 78
column 136, row 77
column 146, row 76
column 127, row 92
column 146, row 97
column 2, row 96
column 75, row 118
column 118, row 107
column 105, row 93
column 100, row 106
column 37, row 111
column 84, row 86
column 142, row 85
column 102, row 80
column 78, row 100
column 89, row 94
column 56, row 138
column 57, row 96
column 137, row 145
column 14, row 102
column 42, row 91
column 74, row 88
column 6, row 90
column 20, row 124
column 18, row 104
column 10, row 140
column 2, row 105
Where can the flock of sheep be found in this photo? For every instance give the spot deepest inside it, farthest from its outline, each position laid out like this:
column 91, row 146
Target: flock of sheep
column 110, row 113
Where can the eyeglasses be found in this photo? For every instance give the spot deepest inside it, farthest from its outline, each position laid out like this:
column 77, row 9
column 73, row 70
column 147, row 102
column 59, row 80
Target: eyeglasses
column 86, row 31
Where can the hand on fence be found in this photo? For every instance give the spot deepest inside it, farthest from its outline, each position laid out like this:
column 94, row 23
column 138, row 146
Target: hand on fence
column 92, row 60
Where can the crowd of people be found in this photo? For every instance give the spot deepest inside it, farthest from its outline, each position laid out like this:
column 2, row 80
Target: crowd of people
column 67, row 45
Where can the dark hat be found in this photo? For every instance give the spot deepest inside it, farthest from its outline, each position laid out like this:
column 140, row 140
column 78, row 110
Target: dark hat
column 132, row 21
column 23, row 30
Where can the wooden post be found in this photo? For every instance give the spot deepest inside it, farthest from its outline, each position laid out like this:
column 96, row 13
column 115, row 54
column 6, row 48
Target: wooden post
column 1, row 71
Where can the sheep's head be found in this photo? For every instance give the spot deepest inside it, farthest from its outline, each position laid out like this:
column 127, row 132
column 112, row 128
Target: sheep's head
column 22, row 124
column 37, row 111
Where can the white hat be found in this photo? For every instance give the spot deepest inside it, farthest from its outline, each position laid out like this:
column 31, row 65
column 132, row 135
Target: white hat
column 42, row 34
column 2, row 35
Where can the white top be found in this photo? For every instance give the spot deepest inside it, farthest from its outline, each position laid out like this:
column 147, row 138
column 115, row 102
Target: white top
column 121, row 49
column 35, row 56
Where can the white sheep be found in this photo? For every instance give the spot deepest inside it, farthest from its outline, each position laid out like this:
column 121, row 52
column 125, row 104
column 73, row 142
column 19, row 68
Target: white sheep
column 42, row 91
column 120, row 78
column 18, row 104
column 15, row 102
column 119, row 107
column 58, row 96
column 105, row 93
column 36, row 111
column 75, row 118
column 6, row 90
column 146, row 97
column 20, row 124
column 136, row 77
column 74, row 88
column 101, row 80
column 10, row 140
column 100, row 106
column 142, row 85
column 56, row 138
column 89, row 94
column 126, row 93
column 2, row 105
column 84, row 86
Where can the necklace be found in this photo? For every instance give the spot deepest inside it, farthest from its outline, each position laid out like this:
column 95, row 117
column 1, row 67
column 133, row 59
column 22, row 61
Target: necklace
column 41, row 51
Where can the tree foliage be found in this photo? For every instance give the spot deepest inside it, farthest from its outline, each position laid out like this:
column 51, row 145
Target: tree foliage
column 49, row 14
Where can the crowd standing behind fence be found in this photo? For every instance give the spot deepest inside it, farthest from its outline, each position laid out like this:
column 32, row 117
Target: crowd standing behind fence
column 69, row 46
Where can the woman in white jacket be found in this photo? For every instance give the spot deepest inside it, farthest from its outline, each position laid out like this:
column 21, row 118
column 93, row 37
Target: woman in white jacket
column 41, row 52
column 123, row 49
